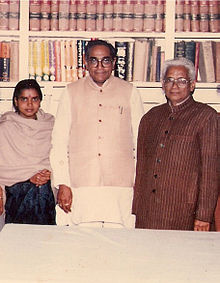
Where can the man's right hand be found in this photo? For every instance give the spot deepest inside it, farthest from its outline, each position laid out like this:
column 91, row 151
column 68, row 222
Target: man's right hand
column 64, row 198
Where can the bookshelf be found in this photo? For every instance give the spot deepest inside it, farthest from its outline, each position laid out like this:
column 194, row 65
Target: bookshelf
column 151, row 91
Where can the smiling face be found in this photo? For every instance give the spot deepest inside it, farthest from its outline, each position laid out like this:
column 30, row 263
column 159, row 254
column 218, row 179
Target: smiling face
column 174, row 93
column 28, row 103
column 99, row 73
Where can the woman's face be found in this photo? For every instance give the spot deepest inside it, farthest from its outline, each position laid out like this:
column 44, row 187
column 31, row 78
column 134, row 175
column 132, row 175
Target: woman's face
column 28, row 103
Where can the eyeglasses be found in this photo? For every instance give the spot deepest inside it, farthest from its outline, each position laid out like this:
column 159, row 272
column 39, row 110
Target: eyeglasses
column 105, row 62
column 180, row 82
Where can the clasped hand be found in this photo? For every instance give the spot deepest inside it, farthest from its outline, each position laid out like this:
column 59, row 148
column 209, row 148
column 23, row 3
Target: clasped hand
column 41, row 178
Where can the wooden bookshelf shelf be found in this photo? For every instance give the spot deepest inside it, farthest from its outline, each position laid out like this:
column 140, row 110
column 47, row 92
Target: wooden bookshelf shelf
column 151, row 91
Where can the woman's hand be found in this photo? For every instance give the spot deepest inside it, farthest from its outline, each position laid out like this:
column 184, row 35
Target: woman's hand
column 41, row 178
column 1, row 201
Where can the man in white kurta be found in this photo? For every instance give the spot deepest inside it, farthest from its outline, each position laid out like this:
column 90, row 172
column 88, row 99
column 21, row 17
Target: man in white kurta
column 94, row 141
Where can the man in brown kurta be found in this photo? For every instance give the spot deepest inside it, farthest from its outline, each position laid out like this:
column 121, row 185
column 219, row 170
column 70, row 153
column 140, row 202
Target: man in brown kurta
column 176, row 179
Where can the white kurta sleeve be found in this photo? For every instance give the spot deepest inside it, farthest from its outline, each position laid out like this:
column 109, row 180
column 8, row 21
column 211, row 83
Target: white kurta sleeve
column 60, row 141
column 137, row 111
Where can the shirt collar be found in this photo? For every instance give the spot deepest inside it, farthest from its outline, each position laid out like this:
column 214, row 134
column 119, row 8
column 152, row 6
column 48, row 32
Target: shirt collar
column 182, row 105
column 105, row 85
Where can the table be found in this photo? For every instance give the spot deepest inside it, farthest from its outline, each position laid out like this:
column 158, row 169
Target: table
column 32, row 253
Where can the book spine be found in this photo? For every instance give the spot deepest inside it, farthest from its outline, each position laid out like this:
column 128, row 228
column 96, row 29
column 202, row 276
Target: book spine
column 14, row 61
column 140, row 59
column 67, row 60
column 197, row 59
column 195, row 16
column 52, row 61
column 149, row 64
column 214, row 25
column 128, row 16
column 64, row 15
column 204, row 16
column 45, row 15
column 179, row 50
column 158, row 64
column 117, row 16
column 80, row 58
column 149, row 16
column 108, row 15
column 206, row 62
column 72, row 15
column 13, row 23
column 179, row 16
column 4, row 14
column 91, row 15
column 73, row 60
column 81, row 16
column 187, row 16
column 57, row 51
column 5, row 61
column 99, row 15
column 34, row 15
column 54, row 18
column 209, row 61
column 84, row 43
column 217, row 61
column 62, row 56
column 162, row 60
column 121, row 59
column 202, row 69
column 159, row 18
column 190, row 51
column 130, row 61
column 155, row 50
column 39, row 71
column 32, row 59
column 45, row 60
column 138, row 20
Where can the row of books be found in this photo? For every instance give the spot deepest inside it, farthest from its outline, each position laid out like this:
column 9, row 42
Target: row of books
column 205, row 55
column 64, row 60
column 9, row 14
column 9, row 61
column 97, row 15
column 197, row 16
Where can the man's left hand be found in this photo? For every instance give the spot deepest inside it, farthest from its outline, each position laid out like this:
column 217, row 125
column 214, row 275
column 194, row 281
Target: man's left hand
column 201, row 225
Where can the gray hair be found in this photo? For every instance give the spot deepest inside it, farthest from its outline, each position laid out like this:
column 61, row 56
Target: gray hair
column 179, row 62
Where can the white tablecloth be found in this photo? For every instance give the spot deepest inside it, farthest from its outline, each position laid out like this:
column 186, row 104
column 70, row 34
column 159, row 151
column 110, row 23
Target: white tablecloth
column 31, row 253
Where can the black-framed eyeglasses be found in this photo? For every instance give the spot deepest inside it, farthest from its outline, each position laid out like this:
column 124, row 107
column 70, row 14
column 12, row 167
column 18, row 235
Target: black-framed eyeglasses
column 180, row 82
column 105, row 62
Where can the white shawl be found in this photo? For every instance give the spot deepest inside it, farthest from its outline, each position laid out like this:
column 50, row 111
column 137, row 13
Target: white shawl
column 24, row 146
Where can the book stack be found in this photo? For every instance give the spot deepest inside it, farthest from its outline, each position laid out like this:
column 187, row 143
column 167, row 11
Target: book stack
column 97, row 15
column 197, row 16
column 205, row 55
column 9, row 14
column 9, row 61
column 64, row 60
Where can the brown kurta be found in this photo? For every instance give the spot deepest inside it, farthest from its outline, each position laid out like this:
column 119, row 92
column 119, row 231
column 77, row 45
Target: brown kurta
column 217, row 210
column 176, row 180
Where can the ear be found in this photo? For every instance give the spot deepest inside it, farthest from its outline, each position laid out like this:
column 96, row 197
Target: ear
column 113, row 63
column 16, row 102
column 86, row 64
column 163, row 86
column 192, row 86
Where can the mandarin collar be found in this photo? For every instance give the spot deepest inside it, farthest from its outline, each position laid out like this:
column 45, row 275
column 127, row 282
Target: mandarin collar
column 181, row 106
column 105, row 85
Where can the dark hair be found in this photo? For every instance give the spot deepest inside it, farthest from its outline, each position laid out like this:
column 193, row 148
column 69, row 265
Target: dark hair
column 25, row 84
column 97, row 42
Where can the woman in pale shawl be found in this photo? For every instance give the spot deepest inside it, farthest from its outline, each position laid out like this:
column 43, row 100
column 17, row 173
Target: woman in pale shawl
column 25, row 143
